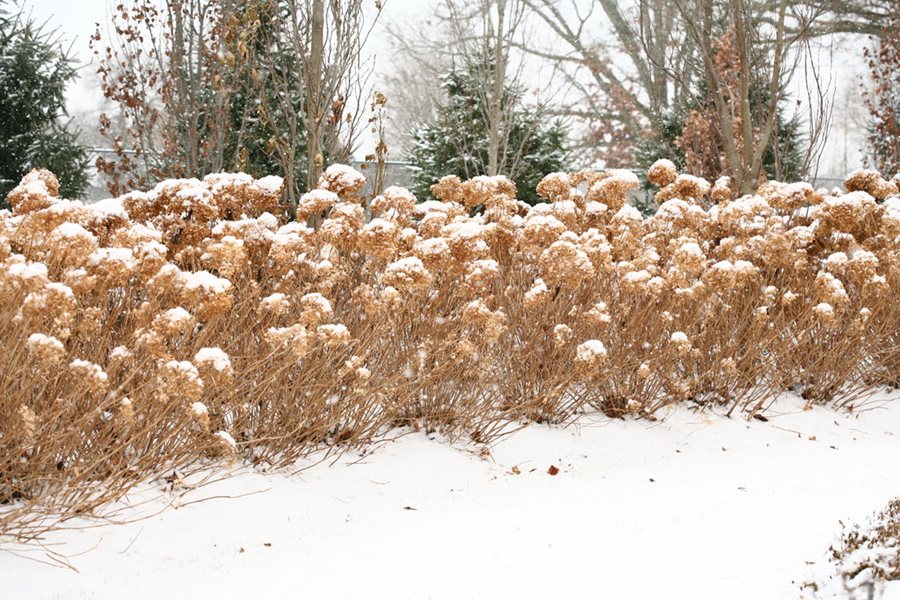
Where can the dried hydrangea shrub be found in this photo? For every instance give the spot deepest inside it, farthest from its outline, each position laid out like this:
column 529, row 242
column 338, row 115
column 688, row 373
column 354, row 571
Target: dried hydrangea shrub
column 222, row 323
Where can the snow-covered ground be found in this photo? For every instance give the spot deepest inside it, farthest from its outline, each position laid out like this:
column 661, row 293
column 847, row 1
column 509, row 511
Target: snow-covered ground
column 693, row 506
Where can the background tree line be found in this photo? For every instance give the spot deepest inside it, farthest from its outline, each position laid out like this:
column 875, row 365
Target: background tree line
column 285, row 87
column 710, row 84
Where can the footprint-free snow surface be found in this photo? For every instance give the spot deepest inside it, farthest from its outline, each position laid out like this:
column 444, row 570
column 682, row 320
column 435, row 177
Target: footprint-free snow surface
column 695, row 506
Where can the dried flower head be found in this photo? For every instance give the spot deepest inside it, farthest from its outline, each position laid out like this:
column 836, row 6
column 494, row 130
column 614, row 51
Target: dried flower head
column 662, row 173
column 315, row 202
column 680, row 341
column 590, row 356
column 293, row 339
column 333, row 334
column 225, row 442
column 407, row 275
column 565, row 264
column 178, row 380
column 343, row 180
column 562, row 335
column 46, row 350
column 555, row 187
column 314, row 308
column 200, row 413
column 213, row 361
column 92, row 376
column 394, row 202
column 173, row 322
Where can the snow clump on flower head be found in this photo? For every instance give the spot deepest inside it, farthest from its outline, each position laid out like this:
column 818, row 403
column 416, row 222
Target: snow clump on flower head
column 333, row 334
column 590, row 356
column 178, row 380
column 90, row 375
column 343, row 180
column 407, row 275
column 213, row 358
column 45, row 349
column 662, row 172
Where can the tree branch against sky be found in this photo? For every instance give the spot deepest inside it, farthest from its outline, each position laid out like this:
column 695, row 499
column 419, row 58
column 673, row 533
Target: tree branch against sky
column 638, row 67
column 315, row 51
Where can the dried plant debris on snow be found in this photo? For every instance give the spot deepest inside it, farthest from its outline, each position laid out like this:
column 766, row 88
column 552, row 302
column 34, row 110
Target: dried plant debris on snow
column 865, row 558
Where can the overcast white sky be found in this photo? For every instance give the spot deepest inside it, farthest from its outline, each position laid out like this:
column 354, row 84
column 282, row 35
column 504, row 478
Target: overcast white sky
column 76, row 20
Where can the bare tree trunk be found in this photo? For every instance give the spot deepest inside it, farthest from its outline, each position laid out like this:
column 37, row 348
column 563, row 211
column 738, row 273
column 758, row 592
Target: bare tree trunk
column 494, row 120
column 314, row 109
column 171, row 69
column 775, row 86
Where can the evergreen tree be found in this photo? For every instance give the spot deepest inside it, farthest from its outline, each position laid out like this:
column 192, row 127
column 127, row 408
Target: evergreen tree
column 34, row 71
column 456, row 143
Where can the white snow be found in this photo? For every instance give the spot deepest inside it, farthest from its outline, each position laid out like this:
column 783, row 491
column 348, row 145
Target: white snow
column 467, row 230
column 226, row 438
column 69, row 230
column 271, row 184
column 123, row 256
column 625, row 176
column 344, row 175
column 628, row 213
column 215, row 357
column 824, row 309
column 334, row 331
column 694, row 506
column 637, row 277
column 536, row 291
column 109, row 207
column 836, row 259
column 185, row 367
column 316, row 301
column 486, row 267
column 95, row 371
column 744, row 267
column 268, row 220
column 296, row 228
column 406, row 264
column 119, row 353
column 204, row 280
column 60, row 288
column 431, row 206
column 40, row 339
column 432, row 247
column 380, row 226
column 595, row 209
column 698, row 182
column 274, row 300
column 27, row 271
column 723, row 265
column 691, row 249
column 590, row 350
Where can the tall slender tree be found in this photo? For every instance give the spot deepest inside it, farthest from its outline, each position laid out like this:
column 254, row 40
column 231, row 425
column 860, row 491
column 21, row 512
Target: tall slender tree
column 322, row 42
column 179, row 75
column 211, row 85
